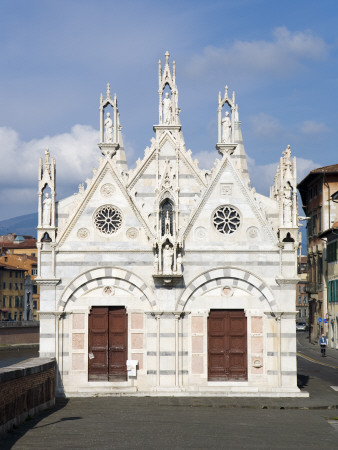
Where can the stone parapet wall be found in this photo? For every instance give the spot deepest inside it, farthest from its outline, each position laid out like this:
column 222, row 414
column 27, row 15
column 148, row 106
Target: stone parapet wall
column 19, row 333
column 25, row 389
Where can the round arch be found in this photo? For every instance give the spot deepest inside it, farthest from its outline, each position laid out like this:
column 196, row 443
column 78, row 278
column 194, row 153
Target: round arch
column 93, row 278
column 234, row 277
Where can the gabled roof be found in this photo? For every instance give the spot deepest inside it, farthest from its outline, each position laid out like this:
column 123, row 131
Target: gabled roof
column 313, row 173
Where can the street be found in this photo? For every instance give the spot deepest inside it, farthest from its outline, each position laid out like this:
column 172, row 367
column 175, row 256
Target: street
column 196, row 423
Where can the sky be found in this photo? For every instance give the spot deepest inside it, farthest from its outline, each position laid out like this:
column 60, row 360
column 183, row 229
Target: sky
column 56, row 58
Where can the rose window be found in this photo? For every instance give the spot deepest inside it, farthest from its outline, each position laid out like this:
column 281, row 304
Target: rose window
column 108, row 219
column 226, row 219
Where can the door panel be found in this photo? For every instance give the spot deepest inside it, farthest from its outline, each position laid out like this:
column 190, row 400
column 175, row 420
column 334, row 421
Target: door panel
column 227, row 345
column 117, row 344
column 108, row 344
column 98, row 344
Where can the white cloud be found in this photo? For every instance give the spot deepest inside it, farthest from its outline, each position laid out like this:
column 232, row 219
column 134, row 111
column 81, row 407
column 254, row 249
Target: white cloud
column 312, row 127
column 281, row 56
column 75, row 153
column 265, row 126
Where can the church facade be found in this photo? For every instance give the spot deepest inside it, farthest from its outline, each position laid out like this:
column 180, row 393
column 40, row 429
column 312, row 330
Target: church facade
column 167, row 279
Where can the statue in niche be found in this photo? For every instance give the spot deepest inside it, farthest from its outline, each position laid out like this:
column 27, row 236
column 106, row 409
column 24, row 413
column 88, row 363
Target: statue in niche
column 226, row 128
column 167, row 259
column 179, row 262
column 156, row 263
column 166, row 109
column 287, row 204
column 47, row 208
column 167, row 223
column 108, row 124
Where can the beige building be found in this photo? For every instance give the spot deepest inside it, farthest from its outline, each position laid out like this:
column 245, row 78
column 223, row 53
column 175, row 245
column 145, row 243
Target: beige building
column 318, row 191
column 12, row 291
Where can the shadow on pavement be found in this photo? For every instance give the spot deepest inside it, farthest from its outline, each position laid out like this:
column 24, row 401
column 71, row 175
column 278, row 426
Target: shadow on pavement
column 302, row 380
column 9, row 439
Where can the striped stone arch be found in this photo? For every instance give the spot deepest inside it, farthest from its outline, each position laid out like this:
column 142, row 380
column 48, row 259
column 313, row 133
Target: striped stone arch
column 233, row 277
column 94, row 278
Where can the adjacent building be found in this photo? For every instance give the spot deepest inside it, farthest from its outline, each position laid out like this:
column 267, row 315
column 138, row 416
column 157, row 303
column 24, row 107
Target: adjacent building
column 167, row 279
column 318, row 191
column 12, row 292
column 302, row 299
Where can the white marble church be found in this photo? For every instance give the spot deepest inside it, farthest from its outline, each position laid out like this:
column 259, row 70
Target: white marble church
column 167, row 279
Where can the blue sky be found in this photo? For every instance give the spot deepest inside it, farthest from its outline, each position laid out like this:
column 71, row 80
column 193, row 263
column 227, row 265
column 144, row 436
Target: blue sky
column 56, row 58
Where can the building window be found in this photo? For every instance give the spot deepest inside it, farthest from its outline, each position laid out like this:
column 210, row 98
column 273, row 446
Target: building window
column 10, row 286
column 21, row 286
column 4, row 285
column 21, row 301
column 333, row 291
column 35, row 304
column 17, row 302
column 10, row 301
column 16, row 286
column 35, row 288
column 34, row 271
column 10, row 274
column 226, row 219
column 20, row 316
column 15, row 315
column 4, row 301
column 9, row 316
column 108, row 219
column 332, row 251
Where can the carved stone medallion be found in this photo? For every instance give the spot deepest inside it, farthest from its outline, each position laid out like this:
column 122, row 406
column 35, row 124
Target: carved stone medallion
column 107, row 190
column 132, row 233
column 108, row 290
column 200, row 233
column 83, row 233
column 252, row 232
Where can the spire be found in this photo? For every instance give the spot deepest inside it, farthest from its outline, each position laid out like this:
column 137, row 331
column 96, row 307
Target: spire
column 168, row 101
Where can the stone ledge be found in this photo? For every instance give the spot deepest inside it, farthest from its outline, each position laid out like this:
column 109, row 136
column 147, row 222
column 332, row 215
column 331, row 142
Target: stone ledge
column 29, row 367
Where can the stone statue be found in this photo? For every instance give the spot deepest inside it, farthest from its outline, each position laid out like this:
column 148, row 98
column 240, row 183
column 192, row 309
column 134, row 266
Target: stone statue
column 167, row 259
column 108, row 124
column 47, row 208
column 156, row 264
column 226, row 128
column 167, row 223
column 166, row 109
column 179, row 263
column 287, row 203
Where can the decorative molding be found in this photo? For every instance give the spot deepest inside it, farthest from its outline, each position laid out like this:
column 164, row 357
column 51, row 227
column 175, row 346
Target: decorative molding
column 47, row 281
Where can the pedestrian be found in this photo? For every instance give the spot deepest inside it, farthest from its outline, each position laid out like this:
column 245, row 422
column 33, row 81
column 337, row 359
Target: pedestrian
column 323, row 344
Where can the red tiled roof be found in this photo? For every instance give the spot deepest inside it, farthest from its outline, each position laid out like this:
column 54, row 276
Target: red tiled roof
column 8, row 267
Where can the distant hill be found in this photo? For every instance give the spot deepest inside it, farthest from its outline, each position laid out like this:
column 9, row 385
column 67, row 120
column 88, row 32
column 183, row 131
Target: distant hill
column 20, row 225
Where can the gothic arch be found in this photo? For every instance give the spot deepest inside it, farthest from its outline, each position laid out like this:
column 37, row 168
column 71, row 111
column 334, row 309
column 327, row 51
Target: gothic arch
column 92, row 278
column 233, row 276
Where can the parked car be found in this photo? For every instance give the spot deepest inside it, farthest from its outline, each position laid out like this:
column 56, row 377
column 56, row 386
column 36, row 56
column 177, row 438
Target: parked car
column 301, row 326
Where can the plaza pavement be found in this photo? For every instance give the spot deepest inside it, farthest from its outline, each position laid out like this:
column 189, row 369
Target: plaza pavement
column 184, row 423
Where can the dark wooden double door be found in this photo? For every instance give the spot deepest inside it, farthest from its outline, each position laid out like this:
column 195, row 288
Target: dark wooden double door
column 227, row 345
column 107, row 344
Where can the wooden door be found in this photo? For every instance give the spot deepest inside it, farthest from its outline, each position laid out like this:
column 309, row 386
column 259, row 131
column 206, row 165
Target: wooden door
column 98, row 344
column 107, row 344
column 227, row 345
column 117, row 356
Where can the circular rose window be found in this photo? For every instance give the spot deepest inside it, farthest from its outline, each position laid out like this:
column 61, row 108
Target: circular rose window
column 226, row 219
column 108, row 219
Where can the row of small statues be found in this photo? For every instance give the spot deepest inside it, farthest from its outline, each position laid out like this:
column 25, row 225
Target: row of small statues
column 167, row 261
